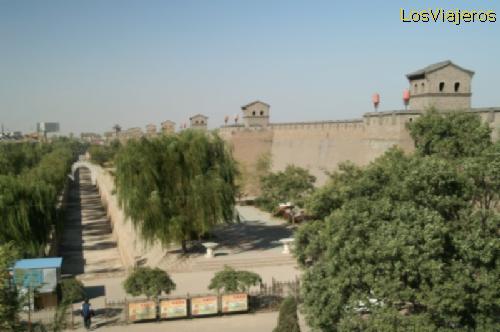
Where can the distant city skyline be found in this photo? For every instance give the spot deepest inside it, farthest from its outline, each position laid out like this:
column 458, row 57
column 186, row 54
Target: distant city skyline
column 92, row 64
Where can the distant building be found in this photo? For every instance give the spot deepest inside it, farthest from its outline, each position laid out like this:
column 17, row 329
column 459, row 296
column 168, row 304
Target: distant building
column 151, row 130
column 131, row 133
column 109, row 136
column 168, row 127
column 199, row 121
column 91, row 138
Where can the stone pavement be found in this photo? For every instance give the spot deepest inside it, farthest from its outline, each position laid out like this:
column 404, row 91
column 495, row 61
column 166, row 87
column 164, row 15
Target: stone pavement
column 261, row 322
column 87, row 245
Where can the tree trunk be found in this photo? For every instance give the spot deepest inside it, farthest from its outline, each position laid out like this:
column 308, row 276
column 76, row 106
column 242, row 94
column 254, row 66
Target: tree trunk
column 184, row 246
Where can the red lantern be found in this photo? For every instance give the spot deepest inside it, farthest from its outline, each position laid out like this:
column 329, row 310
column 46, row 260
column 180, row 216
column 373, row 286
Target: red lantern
column 376, row 100
column 406, row 98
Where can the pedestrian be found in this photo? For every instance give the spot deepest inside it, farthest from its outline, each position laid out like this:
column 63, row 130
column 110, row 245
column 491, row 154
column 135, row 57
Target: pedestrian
column 87, row 314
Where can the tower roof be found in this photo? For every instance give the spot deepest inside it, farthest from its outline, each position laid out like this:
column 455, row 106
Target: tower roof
column 198, row 116
column 244, row 107
column 421, row 73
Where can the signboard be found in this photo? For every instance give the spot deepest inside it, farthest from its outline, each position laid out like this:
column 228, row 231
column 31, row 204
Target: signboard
column 206, row 305
column 141, row 310
column 43, row 280
column 47, row 127
column 28, row 278
column 173, row 308
column 234, row 302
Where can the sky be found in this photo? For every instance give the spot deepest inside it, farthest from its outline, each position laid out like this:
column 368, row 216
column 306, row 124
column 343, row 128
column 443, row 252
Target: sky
column 92, row 64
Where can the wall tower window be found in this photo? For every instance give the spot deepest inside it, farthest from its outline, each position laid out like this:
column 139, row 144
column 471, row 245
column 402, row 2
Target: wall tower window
column 253, row 113
column 416, row 88
column 261, row 112
column 441, row 87
column 457, row 86
column 422, row 87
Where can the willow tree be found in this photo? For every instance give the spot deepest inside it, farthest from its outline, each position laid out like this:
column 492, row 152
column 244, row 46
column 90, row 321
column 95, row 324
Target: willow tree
column 31, row 177
column 176, row 188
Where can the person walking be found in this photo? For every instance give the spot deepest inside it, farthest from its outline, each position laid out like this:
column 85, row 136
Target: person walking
column 87, row 314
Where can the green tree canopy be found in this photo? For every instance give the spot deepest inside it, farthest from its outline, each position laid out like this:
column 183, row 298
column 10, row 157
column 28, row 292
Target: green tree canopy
column 148, row 281
column 405, row 234
column 104, row 154
column 176, row 188
column 450, row 135
column 31, row 178
column 294, row 184
column 230, row 280
column 72, row 290
column 9, row 305
column 288, row 321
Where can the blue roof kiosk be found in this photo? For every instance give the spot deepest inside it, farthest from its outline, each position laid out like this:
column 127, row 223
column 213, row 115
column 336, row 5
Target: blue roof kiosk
column 41, row 275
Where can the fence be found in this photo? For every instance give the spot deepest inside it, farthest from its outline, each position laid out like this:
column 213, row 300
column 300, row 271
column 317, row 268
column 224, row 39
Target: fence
column 267, row 297
column 47, row 317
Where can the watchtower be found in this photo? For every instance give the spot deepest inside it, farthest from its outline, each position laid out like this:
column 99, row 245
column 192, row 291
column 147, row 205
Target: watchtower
column 443, row 85
column 168, row 127
column 256, row 114
column 199, row 121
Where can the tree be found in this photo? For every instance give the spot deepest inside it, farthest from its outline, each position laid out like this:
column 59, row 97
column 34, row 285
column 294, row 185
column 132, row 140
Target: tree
column 323, row 201
column 288, row 320
column 104, row 154
column 176, row 188
column 29, row 191
column 406, row 236
column 72, row 290
column 293, row 184
column 484, row 173
column 230, row 280
column 9, row 305
column 148, row 281
column 450, row 135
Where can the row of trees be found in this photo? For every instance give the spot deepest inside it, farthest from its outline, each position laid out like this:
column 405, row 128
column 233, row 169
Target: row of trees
column 176, row 188
column 152, row 282
column 31, row 178
column 410, row 240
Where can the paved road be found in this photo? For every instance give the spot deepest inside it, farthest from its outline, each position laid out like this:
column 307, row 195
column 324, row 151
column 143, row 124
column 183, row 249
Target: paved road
column 87, row 246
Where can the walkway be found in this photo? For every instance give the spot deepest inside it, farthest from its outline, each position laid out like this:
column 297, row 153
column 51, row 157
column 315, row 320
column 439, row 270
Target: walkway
column 87, row 246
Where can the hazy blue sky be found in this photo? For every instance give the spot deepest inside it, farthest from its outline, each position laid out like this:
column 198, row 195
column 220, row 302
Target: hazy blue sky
column 91, row 64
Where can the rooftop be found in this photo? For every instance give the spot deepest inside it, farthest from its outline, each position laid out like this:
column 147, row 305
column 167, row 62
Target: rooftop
column 253, row 103
column 436, row 66
column 39, row 263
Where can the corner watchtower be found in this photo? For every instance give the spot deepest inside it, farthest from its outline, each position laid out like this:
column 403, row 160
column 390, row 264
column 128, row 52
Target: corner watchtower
column 256, row 114
column 443, row 85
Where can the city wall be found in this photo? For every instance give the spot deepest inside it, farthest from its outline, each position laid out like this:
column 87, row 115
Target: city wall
column 321, row 146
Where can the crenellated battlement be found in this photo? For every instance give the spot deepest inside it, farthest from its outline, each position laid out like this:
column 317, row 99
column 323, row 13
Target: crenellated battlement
column 320, row 146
